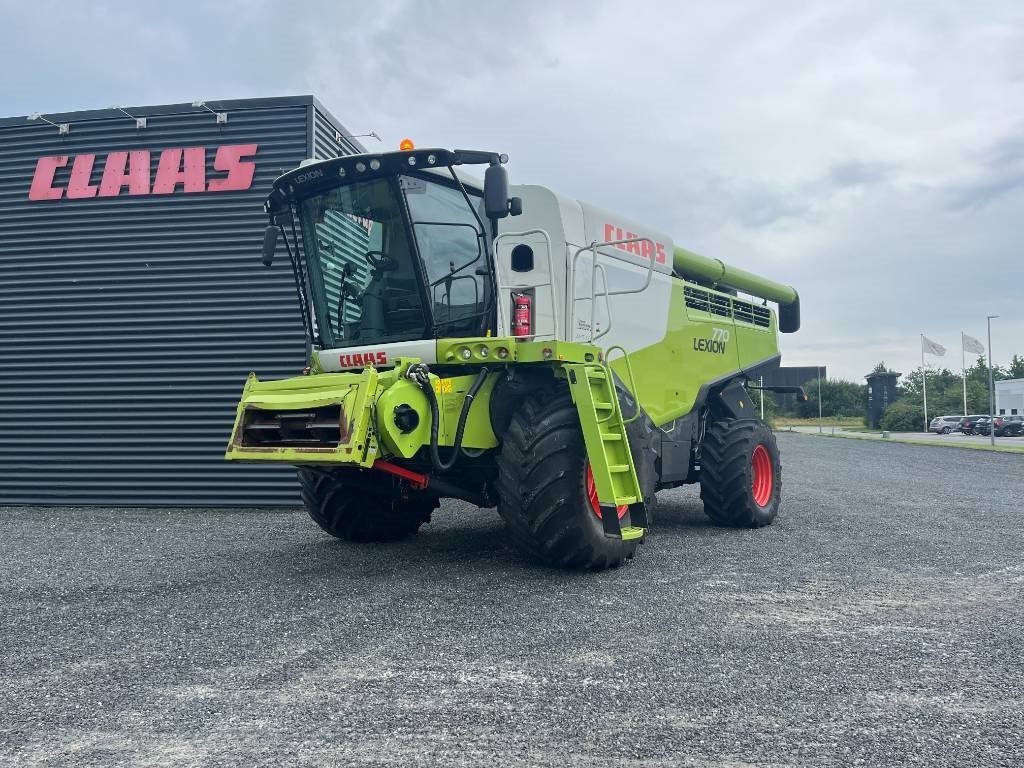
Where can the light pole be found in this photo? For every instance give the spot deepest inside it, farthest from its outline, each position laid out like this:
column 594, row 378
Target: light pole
column 820, row 429
column 991, row 386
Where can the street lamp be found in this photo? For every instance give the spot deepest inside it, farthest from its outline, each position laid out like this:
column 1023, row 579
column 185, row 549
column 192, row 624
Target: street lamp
column 991, row 386
column 820, row 429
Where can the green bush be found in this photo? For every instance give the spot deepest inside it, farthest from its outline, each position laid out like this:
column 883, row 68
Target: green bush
column 902, row 416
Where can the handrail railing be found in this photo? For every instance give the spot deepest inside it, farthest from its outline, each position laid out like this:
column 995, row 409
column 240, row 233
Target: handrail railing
column 632, row 380
column 571, row 282
column 607, row 306
column 499, row 288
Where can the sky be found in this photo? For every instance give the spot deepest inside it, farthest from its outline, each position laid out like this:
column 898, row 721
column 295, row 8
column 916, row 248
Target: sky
column 870, row 154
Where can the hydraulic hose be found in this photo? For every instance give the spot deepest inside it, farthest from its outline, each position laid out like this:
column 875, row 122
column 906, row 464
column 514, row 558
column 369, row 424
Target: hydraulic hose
column 419, row 373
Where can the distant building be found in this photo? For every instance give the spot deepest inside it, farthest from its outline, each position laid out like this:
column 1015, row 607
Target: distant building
column 1010, row 397
column 776, row 375
column 881, row 394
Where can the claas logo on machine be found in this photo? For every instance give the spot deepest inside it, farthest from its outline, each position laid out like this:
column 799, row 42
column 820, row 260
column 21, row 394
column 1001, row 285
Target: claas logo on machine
column 359, row 359
column 643, row 248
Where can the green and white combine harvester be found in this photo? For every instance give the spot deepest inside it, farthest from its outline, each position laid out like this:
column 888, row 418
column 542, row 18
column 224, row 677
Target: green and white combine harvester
column 512, row 348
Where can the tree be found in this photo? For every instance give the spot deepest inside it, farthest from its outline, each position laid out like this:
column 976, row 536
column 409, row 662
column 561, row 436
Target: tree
column 903, row 416
column 1016, row 369
column 838, row 398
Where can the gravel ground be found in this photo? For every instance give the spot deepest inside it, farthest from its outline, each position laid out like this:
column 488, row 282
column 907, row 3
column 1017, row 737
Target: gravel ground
column 878, row 622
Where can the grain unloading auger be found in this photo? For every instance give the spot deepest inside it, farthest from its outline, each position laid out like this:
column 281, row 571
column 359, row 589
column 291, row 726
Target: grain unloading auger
column 512, row 348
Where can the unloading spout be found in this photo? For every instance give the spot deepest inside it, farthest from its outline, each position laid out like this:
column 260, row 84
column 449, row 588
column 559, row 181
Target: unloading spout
column 696, row 267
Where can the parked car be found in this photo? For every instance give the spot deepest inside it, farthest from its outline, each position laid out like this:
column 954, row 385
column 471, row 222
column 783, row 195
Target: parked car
column 1006, row 426
column 967, row 423
column 981, row 426
column 943, row 425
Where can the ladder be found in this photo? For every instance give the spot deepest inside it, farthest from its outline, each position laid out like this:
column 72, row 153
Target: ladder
column 604, row 435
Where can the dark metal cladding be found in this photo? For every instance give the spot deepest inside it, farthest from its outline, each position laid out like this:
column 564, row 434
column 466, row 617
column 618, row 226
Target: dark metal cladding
column 128, row 323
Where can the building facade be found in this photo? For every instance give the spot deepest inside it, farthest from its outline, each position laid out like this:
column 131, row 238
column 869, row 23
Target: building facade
column 1010, row 397
column 133, row 303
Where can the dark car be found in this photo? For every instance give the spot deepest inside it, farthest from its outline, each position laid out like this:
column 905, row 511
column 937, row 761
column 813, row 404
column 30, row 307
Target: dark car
column 967, row 423
column 1006, row 426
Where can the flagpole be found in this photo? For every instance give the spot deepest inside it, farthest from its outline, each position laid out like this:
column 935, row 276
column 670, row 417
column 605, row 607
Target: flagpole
column 963, row 369
column 924, row 385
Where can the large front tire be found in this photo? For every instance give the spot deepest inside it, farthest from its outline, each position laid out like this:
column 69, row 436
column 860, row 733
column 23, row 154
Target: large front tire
column 543, row 488
column 355, row 514
column 740, row 473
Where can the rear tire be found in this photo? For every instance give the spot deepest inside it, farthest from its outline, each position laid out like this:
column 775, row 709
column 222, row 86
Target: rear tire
column 355, row 514
column 542, row 487
column 740, row 474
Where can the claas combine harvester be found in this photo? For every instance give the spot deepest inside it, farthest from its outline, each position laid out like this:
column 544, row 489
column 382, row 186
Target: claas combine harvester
column 512, row 348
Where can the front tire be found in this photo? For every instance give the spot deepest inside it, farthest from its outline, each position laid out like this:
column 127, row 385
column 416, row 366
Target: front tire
column 740, row 474
column 946, row 430
column 543, row 488
column 355, row 514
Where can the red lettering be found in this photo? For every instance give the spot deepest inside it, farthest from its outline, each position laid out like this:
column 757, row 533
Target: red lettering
column 382, row 357
column 115, row 176
column 78, row 185
column 42, row 181
column 661, row 253
column 647, row 250
column 633, row 247
column 169, row 174
column 240, row 172
column 609, row 232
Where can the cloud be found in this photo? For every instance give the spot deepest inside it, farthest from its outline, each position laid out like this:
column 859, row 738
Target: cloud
column 870, row 155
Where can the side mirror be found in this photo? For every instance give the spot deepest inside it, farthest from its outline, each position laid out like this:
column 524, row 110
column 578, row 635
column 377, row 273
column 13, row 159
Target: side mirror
column 496, row 191
column 269, row 244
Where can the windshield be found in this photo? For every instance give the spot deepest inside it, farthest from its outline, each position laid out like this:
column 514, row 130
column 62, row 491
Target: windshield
column 394, row 259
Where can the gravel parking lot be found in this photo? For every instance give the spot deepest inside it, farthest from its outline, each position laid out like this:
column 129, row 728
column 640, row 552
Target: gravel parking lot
column 880, row 621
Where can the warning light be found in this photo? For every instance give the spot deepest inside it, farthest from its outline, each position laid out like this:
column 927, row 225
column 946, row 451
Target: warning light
column 406, row 145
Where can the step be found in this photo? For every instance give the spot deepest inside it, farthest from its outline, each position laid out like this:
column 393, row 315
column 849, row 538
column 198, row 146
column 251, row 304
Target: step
column 603, row 406
column 610, row 436
column 631, row 532
column 617, row 468
column 596, row 374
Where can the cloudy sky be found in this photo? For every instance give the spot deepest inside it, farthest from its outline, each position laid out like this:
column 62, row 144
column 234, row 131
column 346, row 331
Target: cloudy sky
column 871, row 154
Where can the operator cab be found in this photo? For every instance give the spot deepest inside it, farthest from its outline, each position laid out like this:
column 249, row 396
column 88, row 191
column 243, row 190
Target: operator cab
column 390, row 247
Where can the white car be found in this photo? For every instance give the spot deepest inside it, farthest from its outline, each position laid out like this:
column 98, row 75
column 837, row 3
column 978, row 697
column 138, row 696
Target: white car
column 943, row 425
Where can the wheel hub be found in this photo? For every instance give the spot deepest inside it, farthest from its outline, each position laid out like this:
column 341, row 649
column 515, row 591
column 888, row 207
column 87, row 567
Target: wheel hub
column 761, row 476
column 595, row 504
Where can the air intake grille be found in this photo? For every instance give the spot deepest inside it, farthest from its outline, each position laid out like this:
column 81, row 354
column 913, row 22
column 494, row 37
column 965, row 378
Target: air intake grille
column 717, row 304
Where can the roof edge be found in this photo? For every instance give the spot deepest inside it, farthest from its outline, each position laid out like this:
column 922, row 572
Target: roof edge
column 157, row 110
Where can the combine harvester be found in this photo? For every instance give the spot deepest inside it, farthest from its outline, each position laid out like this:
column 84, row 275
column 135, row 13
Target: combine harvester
column 512, row 348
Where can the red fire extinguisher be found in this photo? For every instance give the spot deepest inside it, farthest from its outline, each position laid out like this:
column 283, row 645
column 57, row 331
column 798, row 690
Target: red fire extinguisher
column 522, row 315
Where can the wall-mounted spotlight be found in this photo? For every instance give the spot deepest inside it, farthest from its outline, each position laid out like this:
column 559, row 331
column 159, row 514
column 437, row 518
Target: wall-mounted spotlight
column 222, row 117
column 338, row 136
column 140, row 122
column 63, row 129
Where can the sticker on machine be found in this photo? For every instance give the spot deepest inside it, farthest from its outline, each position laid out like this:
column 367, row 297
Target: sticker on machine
column 413, row 186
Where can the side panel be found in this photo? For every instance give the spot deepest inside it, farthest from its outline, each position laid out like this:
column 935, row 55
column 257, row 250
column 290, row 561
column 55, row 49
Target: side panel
column 543, row 210
column 697, row 347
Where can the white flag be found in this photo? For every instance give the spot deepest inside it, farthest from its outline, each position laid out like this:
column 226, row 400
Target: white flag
column 973, row 345
column 931, row 347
